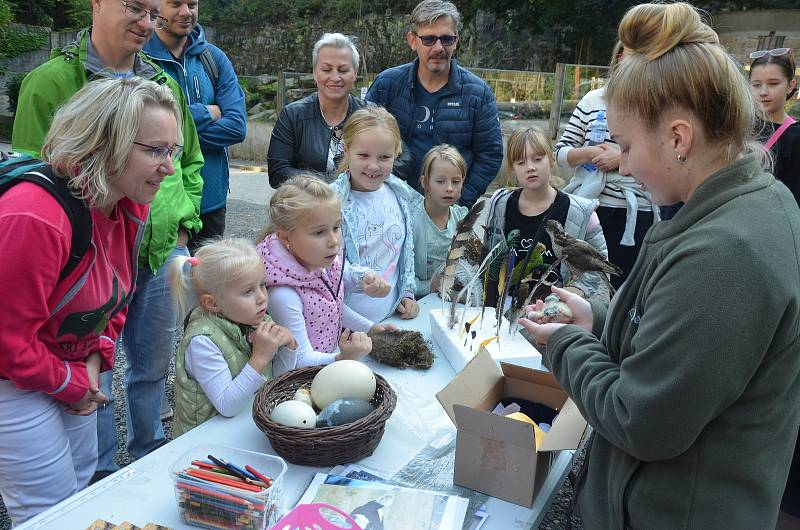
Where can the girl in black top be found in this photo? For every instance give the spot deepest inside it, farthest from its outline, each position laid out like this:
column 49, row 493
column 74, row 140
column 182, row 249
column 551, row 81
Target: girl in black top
column 772, row 82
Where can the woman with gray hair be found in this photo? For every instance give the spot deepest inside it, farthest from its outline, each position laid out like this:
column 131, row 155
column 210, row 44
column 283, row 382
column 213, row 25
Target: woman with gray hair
column 106, row 154
column 309, row 131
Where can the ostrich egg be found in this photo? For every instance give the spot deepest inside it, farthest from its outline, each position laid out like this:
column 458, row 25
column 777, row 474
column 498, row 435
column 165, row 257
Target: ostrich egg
column 294, row 414
column 341, row 380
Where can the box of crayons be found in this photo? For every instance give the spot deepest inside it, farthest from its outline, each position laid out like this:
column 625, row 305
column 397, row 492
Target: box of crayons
column 226, row 488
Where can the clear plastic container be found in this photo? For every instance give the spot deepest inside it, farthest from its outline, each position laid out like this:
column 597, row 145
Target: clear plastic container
column 210, row 505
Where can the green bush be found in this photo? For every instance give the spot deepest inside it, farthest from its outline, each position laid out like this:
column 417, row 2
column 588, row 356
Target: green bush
column 14, row 43
column 12, row 90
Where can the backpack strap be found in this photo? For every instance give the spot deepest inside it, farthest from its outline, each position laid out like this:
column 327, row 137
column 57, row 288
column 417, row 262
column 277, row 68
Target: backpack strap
column 779, row 132
column 76, row 209
column 210, row 65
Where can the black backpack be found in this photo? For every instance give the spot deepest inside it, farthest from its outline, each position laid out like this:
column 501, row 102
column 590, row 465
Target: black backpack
column 16, row 169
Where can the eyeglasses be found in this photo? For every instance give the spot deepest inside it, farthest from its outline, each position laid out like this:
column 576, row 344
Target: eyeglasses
column 160, row 154
column 430, row 40
column 777, row 52
column 135, row 12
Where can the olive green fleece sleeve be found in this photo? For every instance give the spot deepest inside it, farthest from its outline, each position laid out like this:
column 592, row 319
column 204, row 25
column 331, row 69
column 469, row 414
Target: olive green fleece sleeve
column 691, row 348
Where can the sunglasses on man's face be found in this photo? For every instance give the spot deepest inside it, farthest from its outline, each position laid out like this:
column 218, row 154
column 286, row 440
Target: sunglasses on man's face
column 430, row 40
column 777, row 52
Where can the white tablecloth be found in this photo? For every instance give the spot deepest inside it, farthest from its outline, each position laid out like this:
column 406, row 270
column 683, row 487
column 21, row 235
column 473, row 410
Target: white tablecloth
column 143, row 492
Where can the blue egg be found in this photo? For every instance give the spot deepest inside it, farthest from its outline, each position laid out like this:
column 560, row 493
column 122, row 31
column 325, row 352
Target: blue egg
column 343, row 411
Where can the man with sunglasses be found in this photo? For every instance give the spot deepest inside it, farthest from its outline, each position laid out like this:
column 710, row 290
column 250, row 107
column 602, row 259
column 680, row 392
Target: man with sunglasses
column 112, row 47
column 215, row 100
column 436, row 101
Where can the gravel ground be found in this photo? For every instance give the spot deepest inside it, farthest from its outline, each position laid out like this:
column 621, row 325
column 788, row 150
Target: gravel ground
column 246, row 220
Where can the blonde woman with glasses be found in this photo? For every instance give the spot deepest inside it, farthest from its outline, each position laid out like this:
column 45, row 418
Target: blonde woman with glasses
column 111, row 145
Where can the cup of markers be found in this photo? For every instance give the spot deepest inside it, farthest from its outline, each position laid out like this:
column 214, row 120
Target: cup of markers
column 226, row 488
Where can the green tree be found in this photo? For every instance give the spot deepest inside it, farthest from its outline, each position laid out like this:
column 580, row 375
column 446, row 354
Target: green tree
column 55, row 14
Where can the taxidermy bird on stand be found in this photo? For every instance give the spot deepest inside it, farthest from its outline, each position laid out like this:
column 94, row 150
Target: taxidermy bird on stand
column 579, row 256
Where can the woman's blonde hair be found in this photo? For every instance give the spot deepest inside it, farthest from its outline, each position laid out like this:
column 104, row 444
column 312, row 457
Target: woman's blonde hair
column 676, row 61
column 520, row 139
column 92, row 135
column 365, row 120
column 214, row 265
column 294, row 199
column 445, row 153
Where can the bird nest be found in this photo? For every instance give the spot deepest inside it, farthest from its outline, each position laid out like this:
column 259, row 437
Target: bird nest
column 402, row 349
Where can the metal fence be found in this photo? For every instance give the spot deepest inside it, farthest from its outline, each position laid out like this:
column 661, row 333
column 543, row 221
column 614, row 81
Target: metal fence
column 572, row 82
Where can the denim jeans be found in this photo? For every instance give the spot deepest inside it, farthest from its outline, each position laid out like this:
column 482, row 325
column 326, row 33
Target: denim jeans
column 148, row 337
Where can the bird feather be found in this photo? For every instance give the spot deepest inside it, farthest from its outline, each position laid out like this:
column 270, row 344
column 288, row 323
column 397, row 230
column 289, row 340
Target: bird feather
column 458, row 247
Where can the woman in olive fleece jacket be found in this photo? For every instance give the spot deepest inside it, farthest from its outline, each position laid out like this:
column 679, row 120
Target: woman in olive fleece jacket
column 692, row 386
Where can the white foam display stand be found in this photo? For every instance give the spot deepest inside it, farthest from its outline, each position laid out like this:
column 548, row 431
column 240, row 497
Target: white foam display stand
column 458, row 346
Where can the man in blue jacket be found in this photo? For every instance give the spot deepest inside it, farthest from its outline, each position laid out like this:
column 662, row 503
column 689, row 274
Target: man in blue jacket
column 436, row 101
column 215, row 100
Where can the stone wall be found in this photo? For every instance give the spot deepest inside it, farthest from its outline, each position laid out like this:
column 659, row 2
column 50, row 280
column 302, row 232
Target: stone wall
column 265, row 49
column 741, row 32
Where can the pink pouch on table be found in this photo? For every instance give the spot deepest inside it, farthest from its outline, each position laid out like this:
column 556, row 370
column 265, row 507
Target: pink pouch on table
column 309, row 517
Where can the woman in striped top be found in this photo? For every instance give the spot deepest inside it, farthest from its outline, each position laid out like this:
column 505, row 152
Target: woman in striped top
column 626, row 211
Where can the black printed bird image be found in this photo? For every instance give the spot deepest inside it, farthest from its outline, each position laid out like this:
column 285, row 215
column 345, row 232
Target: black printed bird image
column 579, row 256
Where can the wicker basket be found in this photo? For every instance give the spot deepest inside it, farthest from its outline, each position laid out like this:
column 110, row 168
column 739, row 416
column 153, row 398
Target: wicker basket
column 321, row 446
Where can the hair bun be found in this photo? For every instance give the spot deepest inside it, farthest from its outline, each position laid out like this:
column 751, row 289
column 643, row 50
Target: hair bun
column 652, row 30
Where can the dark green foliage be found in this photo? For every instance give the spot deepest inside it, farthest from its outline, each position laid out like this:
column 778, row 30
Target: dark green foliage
column 55, row 14
column 12, row 90
column 13, row 42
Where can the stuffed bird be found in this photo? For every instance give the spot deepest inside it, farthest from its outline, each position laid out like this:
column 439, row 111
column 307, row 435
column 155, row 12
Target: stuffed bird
column 579, row 256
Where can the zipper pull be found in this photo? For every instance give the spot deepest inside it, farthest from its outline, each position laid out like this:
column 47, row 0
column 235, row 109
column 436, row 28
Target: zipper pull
column 197, row 88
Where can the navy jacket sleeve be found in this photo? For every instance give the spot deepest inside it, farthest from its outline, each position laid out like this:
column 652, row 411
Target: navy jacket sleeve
column 231, row 128
column 487, row 147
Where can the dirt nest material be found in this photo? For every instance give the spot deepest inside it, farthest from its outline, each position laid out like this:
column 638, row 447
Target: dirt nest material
column 402, row 349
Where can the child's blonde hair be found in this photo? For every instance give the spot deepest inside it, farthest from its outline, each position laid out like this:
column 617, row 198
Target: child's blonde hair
column 364, row 120
column 445, row 153
column 294, row 199
column 214, row 265
column 522, row 138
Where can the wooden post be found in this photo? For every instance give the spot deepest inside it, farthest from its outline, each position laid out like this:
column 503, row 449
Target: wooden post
column 280, row 96
column 557, row 99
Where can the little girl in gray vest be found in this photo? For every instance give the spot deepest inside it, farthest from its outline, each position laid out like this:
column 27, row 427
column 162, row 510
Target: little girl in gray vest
column 229, row 341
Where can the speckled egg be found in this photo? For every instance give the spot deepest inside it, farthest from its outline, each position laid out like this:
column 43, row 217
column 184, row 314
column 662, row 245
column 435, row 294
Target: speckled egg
column 304, row 395
column 340, row 380
column 294, row 414
column 343, row 411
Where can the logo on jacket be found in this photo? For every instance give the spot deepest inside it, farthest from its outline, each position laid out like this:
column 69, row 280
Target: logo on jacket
column 453, row 103
column 633, row 316
column 82, row 323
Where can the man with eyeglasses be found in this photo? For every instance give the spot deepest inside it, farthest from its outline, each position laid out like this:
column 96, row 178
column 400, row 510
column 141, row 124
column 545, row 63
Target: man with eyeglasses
column 436, row 101
column 215, row 100
column 112, row 47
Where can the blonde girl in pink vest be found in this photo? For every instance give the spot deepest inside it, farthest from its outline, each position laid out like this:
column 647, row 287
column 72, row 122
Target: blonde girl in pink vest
column 306, row 279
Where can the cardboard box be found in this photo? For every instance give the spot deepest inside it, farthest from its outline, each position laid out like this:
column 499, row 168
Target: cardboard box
column 497, row 455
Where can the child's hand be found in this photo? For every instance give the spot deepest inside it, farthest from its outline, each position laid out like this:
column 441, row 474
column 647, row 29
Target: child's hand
column 380, row 328
column 408, row 308
column 353, row 345
column 374, row 286
column 266, row 339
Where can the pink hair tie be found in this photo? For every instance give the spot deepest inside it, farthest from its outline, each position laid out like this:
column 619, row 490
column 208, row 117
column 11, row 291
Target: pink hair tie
column 192, row 261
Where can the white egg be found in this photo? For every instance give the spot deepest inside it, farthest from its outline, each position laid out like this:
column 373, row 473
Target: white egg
column 340, row 380
column 294, row 414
